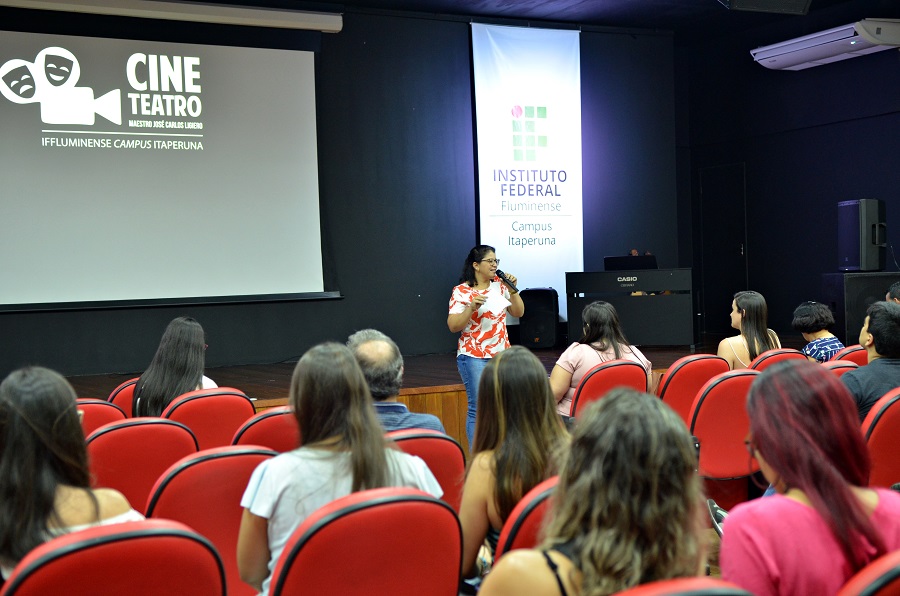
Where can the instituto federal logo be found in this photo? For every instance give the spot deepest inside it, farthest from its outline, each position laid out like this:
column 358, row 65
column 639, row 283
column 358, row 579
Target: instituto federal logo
column 527, row 126
column 52, row 80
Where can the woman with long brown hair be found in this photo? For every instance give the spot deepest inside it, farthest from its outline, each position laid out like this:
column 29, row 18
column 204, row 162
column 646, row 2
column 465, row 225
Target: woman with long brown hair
column 45, row 482
column 517, row 431
column 343, row 450
column 627, row 510
column 749, row 315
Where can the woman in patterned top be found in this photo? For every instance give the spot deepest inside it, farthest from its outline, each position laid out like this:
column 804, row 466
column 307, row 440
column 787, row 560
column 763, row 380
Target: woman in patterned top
column 812, row 320
column 478, row 309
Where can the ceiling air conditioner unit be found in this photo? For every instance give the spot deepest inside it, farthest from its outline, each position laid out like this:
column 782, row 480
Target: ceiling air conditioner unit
column 849, row 41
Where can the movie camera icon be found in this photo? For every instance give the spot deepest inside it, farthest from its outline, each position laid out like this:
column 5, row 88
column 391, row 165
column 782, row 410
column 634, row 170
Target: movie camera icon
column 51, row 81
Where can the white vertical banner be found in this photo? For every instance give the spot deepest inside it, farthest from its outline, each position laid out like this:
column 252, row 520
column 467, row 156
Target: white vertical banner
column 528, row 125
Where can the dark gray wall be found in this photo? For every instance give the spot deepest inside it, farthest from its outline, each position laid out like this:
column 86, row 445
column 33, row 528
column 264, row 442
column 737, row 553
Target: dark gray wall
column 809, row 139
column 397, row 180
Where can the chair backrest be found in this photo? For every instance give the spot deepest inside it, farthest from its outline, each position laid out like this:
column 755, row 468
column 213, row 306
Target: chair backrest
column 684, row 379
column 687, row 586
column 130, row 456
column 214, row 415
column 720, row 424
column 142, row 558
column 97, row 412
column 839, row 367
column 855, row 353
column 881, row 577
column 204, row 491
column 275, row 428
column 605, row 376
column 882, row 431
column 770, row 357
column 351, row 547
column 521, row 528
column 123, row 396
column 443, row 455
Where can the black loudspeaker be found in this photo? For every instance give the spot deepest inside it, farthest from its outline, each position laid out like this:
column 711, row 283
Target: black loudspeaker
column 537, row 327
column 777, row 6
column 862, row 235
column 849, row 295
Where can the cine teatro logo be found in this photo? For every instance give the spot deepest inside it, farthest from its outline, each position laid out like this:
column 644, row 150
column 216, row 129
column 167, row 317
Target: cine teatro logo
column 167, row 86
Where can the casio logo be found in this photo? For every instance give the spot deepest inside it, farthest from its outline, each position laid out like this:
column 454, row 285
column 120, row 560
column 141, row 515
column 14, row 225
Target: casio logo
column 626, row 278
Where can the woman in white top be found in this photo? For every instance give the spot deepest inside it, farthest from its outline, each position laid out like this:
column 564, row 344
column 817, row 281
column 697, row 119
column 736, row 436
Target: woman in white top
column 343, row 451
column 748, row 315
column 603, row 340
column 44, row 476
column 176, row 368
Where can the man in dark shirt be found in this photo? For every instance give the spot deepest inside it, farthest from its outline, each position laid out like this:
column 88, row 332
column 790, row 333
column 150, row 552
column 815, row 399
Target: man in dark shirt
column 382, row 364
column 880, row 336
column 893, row 293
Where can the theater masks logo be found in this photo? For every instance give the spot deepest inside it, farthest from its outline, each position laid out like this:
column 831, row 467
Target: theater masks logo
column 51, row 80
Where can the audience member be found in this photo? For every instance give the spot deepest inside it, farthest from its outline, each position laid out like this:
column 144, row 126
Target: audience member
column 880, row 336
column 382, row 365
column 813, row 320
column 602, row 340
column 516, row 434
column 748, row 315
column 478, row 308
column 45, row 482
column 176, row 368
column 893, row 293
column 824, row 524
column 343, row 451
column 627, row 510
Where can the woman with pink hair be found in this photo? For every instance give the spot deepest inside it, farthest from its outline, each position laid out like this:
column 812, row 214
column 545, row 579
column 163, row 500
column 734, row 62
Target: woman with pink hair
column 824, row 524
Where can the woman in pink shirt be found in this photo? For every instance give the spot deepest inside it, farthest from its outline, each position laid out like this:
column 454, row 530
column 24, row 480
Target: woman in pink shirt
column 824, row 524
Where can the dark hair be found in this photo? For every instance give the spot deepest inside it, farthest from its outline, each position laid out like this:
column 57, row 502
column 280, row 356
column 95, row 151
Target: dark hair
column 475, row 256
column 176, row 368
column 811, row 317
column 894, row 291
column 331, row 401
column 804, row 423
column 754, row 314
column 601, row 328
column 517, row 420
column 41, row 448
column 628, row 499
column 884, row 325
column 381, row 365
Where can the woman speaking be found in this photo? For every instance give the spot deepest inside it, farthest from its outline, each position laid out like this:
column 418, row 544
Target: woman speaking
column 478, row 309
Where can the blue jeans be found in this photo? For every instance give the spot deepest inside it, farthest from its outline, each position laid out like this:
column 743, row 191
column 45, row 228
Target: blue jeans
column 470, row 371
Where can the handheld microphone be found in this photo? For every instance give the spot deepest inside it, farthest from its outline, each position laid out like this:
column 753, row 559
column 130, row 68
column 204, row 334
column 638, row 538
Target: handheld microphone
column 505, row 280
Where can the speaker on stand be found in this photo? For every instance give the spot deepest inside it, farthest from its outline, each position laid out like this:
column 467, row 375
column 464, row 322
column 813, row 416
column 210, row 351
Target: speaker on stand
column 537, row 327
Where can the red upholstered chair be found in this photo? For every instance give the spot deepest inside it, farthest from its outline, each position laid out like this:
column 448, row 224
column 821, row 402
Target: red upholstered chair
column 443, row 455
column 204, row 491
column 839, row 367
column 882, row 431
column 97, row 412
column 214, row 415
column 770, row 357
column 130, row 455
column 720, row 424
column 687, row 586
column 351, row 547
column 524, row 523
column 275, row 428
column 142, row 558
column 123, row 396
column 684, row 379
column 855, row 353
column 598, row 381
column 881, row 577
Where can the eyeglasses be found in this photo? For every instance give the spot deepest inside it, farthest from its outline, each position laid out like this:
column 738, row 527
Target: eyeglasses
column 491, row 261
